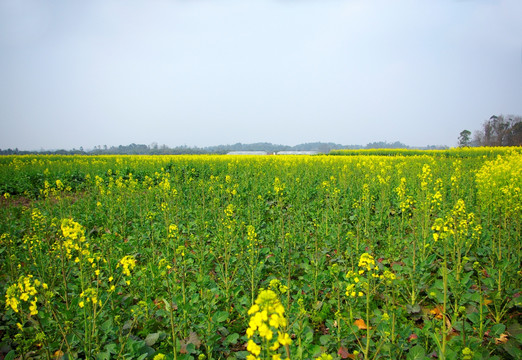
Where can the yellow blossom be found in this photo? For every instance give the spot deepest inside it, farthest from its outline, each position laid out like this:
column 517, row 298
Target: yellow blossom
column 253, row 348
column 284, row 339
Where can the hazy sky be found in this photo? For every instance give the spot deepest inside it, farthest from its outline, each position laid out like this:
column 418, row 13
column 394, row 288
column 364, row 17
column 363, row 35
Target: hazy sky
column 201, row 72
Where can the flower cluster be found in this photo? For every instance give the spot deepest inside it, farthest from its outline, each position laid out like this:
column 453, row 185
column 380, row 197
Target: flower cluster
column 388, row 276
column 99, row 184
column 436, row 200
column 498, row 185
column 353, row 288
column 5, row 239
column 150, row 216
column 440, row 230
column 356, row 286
column 275, row 285
column 180, row 250
column 164, row 207
column 72, row 230
column 365, row 198
column 173, row 232
column 359, row 283
column 24, row 291
column 74, row 243
column 458, row 224
column 467, row 354
column 127, row 263
column 267, row 318
column 165, row 184
column 405, row 201
column 229, row 221
column 279, row 187
column 252, row 237
column 231, row 188
column 164, row 266
column 90, row 295
column 329, row 186
column 366, row 261
column 49, row 190
column 425, row 177
column 229, row 210
column 253, row 247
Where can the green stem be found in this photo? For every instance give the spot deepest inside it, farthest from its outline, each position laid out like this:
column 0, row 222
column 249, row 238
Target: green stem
column 444, row 307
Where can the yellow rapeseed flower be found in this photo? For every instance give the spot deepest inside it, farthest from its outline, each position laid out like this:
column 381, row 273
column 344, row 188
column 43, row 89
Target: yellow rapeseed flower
column 284, row 339
column 266, row 317
column 128, row 263
column 22, row 292
column 253, row 348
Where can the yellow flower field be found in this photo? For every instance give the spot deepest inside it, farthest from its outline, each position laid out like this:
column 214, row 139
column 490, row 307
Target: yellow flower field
column 391, row 254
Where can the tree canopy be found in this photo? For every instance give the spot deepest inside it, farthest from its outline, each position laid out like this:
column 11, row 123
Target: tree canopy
column 499, row 131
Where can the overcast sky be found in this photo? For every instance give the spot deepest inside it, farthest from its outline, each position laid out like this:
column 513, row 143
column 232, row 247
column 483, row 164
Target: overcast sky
column 200, row 73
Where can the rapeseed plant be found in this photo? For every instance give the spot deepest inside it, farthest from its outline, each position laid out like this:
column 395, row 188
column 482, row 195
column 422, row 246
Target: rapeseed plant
column 365, row 283
column 23, row 292
column 127, row 263
column 253, row 260
column 267, row 325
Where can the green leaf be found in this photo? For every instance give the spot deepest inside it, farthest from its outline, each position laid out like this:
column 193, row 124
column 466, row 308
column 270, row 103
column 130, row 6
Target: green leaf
column 397, row 267
column 151, row 339
column 497, row 329
column 309, row 337
column 415, row 309
column 512, row 350
column 438, row 284
column 325, row 339
column 220, row 316
column 167, row 304
column 242, row 354
column 127, row 325
column 466, row 278
column 10, row 355
column 102, row 356
column 232, row 338
column 474, row 317
column 190, row 348
column 416, row 353
column 315, row 350
column 111, row 348
column 107, row 325
column 475, row 297
column 515, row 329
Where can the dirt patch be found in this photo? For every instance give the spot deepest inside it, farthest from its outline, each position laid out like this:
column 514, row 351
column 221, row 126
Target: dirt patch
column 19, row 201
column 15, row 201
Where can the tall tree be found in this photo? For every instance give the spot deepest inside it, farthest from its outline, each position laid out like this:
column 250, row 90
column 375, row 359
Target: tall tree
column 500, row 131
column 464, row 138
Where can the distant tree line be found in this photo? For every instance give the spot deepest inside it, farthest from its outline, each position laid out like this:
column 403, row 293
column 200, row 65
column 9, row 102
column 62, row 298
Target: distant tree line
column 385, row 145
column 496, row 131
column 155, row 149
column 16, row 151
